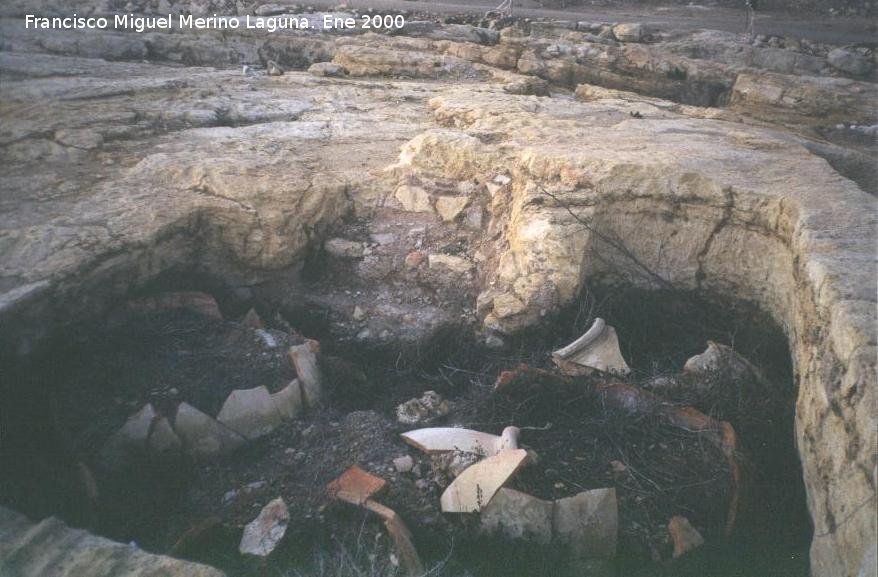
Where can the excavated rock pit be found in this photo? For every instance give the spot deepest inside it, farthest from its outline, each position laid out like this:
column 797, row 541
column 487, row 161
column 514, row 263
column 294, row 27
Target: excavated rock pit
column 450, row 183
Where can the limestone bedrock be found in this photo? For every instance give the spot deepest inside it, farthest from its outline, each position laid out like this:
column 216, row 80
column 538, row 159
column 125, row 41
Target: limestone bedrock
column 115, row 171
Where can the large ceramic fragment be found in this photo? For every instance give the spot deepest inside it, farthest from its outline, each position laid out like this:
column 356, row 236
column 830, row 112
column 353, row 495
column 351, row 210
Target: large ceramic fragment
column 597, row 349
column 202, row 436
column 355, row 486
column 304, row 359
column 129, row 440
column 684, row 535
column 475, row 487
column 251, row 413
column 517, row 515
column 402, row 538
column 588, row 523
column 440, row 439
column 136, row 428
column 163, row 440
column 288, row 401
column 262, row 535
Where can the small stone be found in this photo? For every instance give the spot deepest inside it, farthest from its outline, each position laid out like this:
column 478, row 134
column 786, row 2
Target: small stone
column 413, row 198
column 849, row 61
column 684, row 535
column 328, row 69
column 414, row 259
column 629, row 32
column 494, row 342
column 404, row 464
column 79, row 138
column 274, row 69
column 452, row 463
column 359, row 314
column 262, row 535
column 229, row 496
column 267, row 338
column 450, row 207
column 343, row 248
column 428, row 408
column 507, row 305
column 474, row 217
column 455, row 264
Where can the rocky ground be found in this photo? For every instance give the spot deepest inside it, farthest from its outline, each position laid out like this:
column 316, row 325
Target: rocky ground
column 459, row 185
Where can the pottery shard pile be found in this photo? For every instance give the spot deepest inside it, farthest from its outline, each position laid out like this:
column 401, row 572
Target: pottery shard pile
column 246, row 415
column 587, row 523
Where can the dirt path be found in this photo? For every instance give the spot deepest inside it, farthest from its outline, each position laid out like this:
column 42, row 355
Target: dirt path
column 822, row 29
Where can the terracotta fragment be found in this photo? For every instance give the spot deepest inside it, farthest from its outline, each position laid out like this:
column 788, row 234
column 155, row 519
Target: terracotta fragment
column 475, row 487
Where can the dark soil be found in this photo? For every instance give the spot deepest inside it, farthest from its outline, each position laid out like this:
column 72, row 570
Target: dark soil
column 198, row 511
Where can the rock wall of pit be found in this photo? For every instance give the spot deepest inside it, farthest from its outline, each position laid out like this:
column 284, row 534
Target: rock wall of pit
column 670, row 199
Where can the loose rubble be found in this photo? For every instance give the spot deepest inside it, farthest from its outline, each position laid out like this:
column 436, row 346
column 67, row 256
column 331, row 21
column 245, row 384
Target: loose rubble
column 262, row 535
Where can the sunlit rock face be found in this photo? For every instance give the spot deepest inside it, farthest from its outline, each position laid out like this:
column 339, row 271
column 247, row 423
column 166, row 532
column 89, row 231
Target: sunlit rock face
column 117, row 171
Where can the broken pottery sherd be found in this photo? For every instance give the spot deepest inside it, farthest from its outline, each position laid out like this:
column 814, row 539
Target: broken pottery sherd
column 475, row 487
column 402, row 538
column 129, row 439
column 429, row 407
column 517, row 515
column 588, row 523
column 355, row 486
column 253, row 320
column 288, row 400
column 304, row 359
column 250, row 412
column 202, row 436
column 439, row 439
column 262, row 535
column 597, row 349
column 720, row 361
column 136, row 429
column 163, row 440
column 685, row 536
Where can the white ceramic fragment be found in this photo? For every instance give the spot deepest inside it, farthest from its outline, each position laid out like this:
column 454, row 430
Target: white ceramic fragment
column 304, row 359
column 250, row 412
column 439, row 439
column 475, row 487
column 288, row 400
column 517, row 515
column 588, row 523
column 202, row 436
column 597, row 349
column 163, row 440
